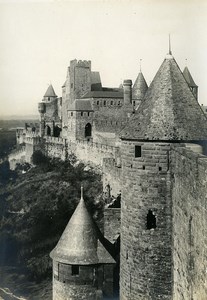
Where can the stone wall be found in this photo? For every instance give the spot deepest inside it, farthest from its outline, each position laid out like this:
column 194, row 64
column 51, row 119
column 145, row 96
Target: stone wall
column 189, row 196
column 63, row 291
column 16, row 157
column 83, row 285
column 112, row 222
column 112, row 175
column 55, row 147
column 146, row 222
column 92, row 152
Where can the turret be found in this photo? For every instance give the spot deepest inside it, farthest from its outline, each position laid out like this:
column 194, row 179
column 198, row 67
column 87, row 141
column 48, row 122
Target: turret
column 168, row 116
column 139, row 89
column 50, row 116
column 127, row 85
column 50, row 94
column 80, row 259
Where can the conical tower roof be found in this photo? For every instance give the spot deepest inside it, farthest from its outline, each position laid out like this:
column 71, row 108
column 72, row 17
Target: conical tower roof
column 169, row 110
column 139, row 88
column 81, row 242
column 188, row 77
column 50, row 92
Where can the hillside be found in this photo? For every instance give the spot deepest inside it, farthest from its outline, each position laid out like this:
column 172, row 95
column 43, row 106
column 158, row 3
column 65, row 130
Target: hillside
column 35, row 207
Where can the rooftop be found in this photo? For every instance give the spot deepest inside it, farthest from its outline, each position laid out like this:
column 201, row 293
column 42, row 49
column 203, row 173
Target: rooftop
column 169, row 110
column 82, row 242
column 139, row 88
column 81, row 105
column 104, row 94
column 50, row 92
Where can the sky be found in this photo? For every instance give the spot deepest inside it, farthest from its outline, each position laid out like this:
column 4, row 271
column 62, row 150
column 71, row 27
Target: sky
column 39, row 38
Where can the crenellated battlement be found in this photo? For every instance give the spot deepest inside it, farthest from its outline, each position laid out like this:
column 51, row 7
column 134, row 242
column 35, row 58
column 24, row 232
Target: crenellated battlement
column 33, row 140
column 80, row 63
column 16, row 153
column 55, row 140
column 99, row 146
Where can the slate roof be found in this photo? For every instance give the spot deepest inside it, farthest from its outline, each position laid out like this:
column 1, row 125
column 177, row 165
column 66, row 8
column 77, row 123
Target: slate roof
column 96, row 81
column 50, row 92
column 169, row 110
column 104, row 94
column 81, row 242
column 188, row 77
column 81, row 105
column 139, row 88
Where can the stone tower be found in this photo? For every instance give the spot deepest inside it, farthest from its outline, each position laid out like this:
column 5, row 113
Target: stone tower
column 169, row 115
column 49, row 109
column 78, row 82
column 190, row 82
column 80, row 120
column 139, row 89
column 81, row 260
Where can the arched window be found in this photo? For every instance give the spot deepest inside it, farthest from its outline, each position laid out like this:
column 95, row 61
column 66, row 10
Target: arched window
column 151, row 220
column 75, row 270
column 57, row 131
column 48, row 130
column 88, row 130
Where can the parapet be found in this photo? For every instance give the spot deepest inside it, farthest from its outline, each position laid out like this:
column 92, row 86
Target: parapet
column 80, row 63
column 55, row 140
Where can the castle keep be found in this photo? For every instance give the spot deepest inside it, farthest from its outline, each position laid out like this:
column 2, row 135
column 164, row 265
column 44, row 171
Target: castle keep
column 151, row 145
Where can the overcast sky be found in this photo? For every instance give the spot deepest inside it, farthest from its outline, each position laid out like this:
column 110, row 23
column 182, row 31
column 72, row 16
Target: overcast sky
column 39, row 38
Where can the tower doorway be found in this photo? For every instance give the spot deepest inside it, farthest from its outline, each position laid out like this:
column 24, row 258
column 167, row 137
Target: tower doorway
column 88, row 130
column 48, row 130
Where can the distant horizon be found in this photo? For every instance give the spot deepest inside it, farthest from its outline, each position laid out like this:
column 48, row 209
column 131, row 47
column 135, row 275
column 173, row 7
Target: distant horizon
column 19, row 117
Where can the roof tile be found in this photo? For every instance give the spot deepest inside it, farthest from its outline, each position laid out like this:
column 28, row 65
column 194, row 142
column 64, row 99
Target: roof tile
column 81, row 242
column 169, row 110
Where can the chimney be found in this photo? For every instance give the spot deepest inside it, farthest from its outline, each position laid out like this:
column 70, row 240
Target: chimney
column 127, row 91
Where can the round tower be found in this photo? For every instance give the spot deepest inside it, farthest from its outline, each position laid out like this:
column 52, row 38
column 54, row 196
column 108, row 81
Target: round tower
column 80, row 259
column 50, row 94
column 127, row 85
column 166, row 117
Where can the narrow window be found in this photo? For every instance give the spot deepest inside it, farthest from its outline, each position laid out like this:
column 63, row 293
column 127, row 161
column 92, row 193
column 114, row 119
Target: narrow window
column 143, row 167
column 133, row 103
column 104, row 103
column 151, row 220
column 138, row 151
column 81, row 114
column 160, row 168
column 119, row 103
column 97, row 102
column 71, row 114
column 48, row 98
column 75, row 270
column 88, row 114
column 111, row 102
